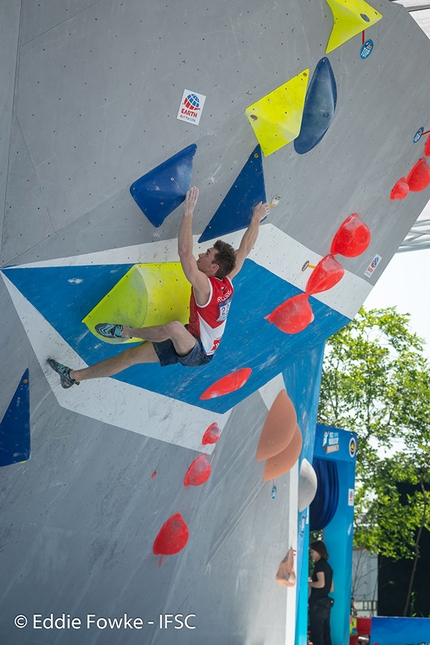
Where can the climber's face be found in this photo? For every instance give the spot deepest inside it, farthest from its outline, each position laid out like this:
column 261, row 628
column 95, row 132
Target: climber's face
column 206, row 262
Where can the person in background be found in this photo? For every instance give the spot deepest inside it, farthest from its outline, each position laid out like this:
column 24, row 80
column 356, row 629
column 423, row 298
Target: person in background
column 353, row 618
column 320, row 604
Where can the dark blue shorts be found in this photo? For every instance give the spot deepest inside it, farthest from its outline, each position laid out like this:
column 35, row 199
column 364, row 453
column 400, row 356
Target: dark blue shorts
column 167, row 355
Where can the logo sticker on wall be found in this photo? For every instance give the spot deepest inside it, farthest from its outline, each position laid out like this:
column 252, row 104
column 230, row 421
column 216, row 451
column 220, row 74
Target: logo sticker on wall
column 418, row 134
column 366, row 49
column 352, row 447
column 350, row 497
column 372, row 266
column 191, row 107
column 330, row 442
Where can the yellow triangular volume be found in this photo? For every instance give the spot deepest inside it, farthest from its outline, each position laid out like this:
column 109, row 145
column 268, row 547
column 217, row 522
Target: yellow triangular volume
column 148, row 294
column 277, row 118
column 351, row 17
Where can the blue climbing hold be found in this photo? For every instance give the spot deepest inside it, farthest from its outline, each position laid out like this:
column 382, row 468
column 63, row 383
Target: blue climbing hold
column 235, row 211
column 320, row 104
column 274, row 491
column 163, row 188
column 15, row 426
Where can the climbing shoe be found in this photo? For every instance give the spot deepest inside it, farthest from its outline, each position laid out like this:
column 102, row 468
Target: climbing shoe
column 64, row 372
column 109, row 330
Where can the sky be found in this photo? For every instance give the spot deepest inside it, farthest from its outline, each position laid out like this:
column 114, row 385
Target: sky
column 405, row 285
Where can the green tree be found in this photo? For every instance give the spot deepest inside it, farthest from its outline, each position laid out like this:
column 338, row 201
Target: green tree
column 376, row 382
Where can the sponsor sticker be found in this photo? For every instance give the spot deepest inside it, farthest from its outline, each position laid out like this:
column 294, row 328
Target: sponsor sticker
column 330, row 442
column 350, row 497
column 418, row 134
column 366, row 49
column 352, row 447
column 372, row 266
column 191, row 107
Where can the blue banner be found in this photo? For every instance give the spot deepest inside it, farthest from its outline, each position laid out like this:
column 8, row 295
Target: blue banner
column 339, row 447
column 400, row 631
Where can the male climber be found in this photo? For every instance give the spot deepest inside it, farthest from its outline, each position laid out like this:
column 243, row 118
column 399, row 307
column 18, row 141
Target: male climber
column 211, row 294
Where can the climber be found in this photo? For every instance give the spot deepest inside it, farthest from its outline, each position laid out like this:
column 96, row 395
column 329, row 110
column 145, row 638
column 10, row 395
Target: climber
column 212, row 291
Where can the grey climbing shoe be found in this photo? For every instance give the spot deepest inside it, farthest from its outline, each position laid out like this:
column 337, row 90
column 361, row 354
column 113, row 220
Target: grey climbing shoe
column 64, row 372
column 109, row 330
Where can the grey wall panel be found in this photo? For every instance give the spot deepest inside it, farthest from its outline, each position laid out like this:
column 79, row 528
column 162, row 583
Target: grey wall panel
column 103, row 83
column 85, row 510
column 39, row 17
column 9, row 34
column 25, row 203
column 117, row 222
column 362, row 155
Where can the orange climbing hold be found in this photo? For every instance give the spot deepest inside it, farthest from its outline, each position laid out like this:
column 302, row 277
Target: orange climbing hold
column 286, row 574
column 285, row 460
column 212, row 434
column 172, row 538
column 400, row 189
column 419, row 177
column 293, row 315
column 427, row 147
column 199, row 472
column 352, row 237
column 227, row 384
column 326, row 274
column 278, row 429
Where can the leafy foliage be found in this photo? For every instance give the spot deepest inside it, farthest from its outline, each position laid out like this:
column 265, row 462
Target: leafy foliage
column 376, row 382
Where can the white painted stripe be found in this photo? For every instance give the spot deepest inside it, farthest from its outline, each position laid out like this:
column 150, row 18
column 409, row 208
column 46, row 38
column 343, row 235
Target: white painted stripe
column 275, row 251
column 290, row 616
column 270, row 391
column 110, row 401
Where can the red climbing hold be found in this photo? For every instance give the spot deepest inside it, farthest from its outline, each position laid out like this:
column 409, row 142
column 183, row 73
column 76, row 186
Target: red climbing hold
column 199, row 472
column 427, row 147
column 419, row 177
column 293, row 315
column 227, row 384
column 172, row 537
column 400, row 189
column 212, row 434
column 326, row 274
column 352, row 238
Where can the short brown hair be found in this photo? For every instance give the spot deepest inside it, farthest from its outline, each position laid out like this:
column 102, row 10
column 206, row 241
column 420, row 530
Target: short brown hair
column 320, row 548
column 225, row 257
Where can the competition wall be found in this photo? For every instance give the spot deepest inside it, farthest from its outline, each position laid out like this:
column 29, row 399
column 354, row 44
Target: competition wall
column 90, row 96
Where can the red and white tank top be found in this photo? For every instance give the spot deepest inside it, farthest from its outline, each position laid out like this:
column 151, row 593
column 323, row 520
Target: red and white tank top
column 208, row 321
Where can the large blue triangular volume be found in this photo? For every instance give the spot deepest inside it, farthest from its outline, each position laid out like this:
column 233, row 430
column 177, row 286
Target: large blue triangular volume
column 163, row 188
column 320, row 104
column 65, row 295
column 235, row 211
column 15, row 426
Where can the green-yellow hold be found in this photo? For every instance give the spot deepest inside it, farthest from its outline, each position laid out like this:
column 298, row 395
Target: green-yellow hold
column 148, row 294
column 277, row 118
column 351, row 17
